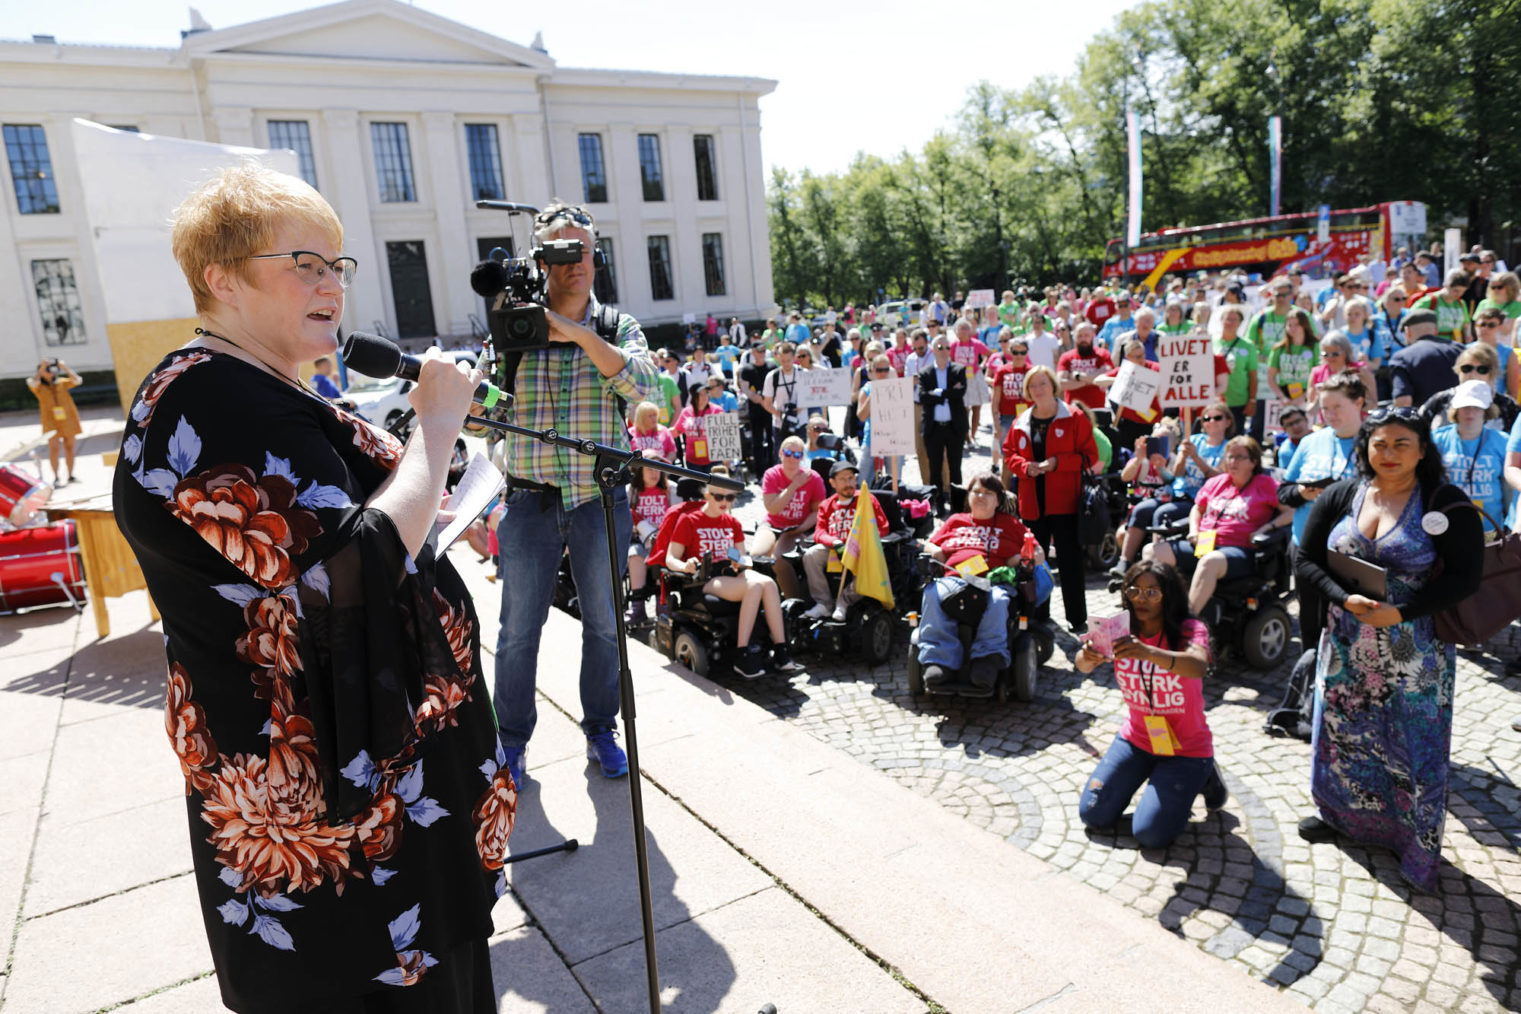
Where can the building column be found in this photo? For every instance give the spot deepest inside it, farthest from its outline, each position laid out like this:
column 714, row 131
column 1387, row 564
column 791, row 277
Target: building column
column 350, row 190
column 442, row 139
column 234, row 125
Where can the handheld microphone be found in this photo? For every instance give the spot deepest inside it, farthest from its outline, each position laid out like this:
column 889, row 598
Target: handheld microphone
column 374, row 356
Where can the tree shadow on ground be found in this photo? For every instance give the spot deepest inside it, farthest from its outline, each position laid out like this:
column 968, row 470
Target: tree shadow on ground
column 126, row 670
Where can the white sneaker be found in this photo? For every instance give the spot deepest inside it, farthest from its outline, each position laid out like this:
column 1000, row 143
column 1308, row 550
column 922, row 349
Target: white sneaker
column 818, row 612
column 839, row 614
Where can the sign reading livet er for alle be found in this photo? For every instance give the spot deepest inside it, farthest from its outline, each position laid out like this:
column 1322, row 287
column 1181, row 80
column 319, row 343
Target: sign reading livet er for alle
column 1188, row 365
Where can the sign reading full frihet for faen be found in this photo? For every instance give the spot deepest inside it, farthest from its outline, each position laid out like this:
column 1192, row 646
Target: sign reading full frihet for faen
column 1188, row 365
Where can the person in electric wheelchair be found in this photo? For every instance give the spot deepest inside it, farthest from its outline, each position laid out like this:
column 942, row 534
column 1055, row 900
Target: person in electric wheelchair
column 836, row 515
column 1235, row 547
column 984, row 538
column 716, row 543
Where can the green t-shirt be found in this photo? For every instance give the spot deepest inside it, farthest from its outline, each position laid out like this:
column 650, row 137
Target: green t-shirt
column 1241, row 356
column 1183, row 328
column 669, row 392
column 1008, row 314
column 1265, row 330
column 1512, row 309
column 1105, row 448
column 770, row 337
column 1451, row 317
column 1293, row 365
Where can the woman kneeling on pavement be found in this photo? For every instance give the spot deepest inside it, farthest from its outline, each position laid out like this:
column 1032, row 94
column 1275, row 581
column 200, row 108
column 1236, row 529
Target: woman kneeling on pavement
column 1229, row 511
column 1166, row 742
column 712, row 532
column 988, row 529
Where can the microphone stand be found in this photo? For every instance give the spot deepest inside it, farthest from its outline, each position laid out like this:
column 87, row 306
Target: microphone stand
column 612, row 470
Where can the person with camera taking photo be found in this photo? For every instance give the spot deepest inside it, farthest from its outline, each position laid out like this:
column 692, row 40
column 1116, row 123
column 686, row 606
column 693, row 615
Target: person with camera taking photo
column 60, row 419
column 577, row 386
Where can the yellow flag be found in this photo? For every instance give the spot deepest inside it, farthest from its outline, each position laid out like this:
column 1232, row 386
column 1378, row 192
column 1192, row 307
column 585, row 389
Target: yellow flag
column 863, row 552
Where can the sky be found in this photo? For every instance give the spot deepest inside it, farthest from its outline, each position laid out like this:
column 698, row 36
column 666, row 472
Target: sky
column 850, row 76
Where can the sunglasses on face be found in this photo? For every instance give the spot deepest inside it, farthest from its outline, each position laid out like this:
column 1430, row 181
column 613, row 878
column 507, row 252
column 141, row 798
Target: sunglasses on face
column 1012, row 354
column 1216, row 418
column 1482, row 371
column 1396, row 299
column 880, row 369
column 577, row 215
column 723, row 497
column 1489, row 324
column 792, row 454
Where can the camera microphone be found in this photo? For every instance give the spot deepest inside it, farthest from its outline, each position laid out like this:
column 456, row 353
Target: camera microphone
column 374, row 356
column 488, row 278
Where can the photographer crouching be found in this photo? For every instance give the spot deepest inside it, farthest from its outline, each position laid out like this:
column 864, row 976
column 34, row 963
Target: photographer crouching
column 577, row 386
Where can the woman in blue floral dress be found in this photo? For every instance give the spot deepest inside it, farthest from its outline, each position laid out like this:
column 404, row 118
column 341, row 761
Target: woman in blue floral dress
column 348, row 800
column 1384, row 682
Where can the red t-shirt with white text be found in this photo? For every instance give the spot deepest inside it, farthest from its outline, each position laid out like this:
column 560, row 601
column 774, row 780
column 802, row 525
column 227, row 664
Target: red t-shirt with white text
column 1095, row 364
column 998, row 539
column 1009, row 385
column 837, row 514
column 700, row 535
column 1150, row 690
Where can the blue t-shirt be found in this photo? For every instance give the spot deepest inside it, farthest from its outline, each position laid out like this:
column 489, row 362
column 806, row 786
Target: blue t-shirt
column 1319, row 455
column 1187, row 484
column 1371, row 343
column 1476, row 466
column 797, row 334
column 726, row 401
column 727, row 354
column 1112, row 329
column 325, row 386
column 1513, row 446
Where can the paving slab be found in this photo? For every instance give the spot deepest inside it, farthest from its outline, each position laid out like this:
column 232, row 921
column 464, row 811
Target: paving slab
column 31, row 702
column 587, row 902
column 530, row 978
column 131, row 944
column 507, row 915
column 196, row 997
column 21, row 781
column 738, row 957
column 17, row 831
column 126, row 670
column 150, row 842
column 112, row 764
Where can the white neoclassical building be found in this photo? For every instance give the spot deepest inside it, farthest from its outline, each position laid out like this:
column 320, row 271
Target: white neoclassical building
column 402, row 119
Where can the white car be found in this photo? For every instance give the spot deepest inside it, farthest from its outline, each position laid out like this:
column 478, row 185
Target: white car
column 383, row 401
column 904, row 313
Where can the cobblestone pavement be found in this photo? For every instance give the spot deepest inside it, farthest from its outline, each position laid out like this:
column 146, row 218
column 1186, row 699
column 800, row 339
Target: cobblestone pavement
column 1332, row 924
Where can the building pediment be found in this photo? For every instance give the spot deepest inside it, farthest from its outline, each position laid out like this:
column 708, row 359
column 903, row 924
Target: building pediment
column 366, row 30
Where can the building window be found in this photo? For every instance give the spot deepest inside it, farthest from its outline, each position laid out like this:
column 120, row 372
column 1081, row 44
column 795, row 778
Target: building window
column 605, row 281
column 707, row 176
column 130, row 128
column 593, row 174
column 297, row 136
column 713, row 262
column 485, row 162
column 660, row 267
column 649, row 167
column 58, row 303
column 393, row 162
column 31, row 169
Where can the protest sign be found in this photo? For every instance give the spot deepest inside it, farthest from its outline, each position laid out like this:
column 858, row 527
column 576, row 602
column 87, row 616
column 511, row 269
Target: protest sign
column 1188, row 370
column 1272, row 421
column 1135, row 387
column 723, row 436
column 689, row 318
column 892, row 416
column 978, row 298
column 820, row 388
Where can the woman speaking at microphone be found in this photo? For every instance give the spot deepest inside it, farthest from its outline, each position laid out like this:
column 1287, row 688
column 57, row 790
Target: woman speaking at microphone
column 348, row 805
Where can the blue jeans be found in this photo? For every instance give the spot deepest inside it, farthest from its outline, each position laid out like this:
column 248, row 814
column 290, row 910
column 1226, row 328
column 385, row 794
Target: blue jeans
column 938, row 643
column 1163, row 811
column 531, row 543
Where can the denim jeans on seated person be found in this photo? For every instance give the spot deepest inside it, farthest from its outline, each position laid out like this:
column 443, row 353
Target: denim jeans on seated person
column 938, row 643
column 1172, row 783
column 531, row 540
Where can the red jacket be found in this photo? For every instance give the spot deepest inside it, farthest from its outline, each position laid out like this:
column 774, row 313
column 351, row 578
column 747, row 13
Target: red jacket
column 1069, row 439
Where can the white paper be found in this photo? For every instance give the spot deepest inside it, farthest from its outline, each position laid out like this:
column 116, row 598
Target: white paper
column 1135, row 387
column 892, row 416
column 1187, row 365
column 822, row 388
column 724, row 441
column 480, row 483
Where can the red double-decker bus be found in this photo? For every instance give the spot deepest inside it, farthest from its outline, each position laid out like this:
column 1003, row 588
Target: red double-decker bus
column 1270, row 246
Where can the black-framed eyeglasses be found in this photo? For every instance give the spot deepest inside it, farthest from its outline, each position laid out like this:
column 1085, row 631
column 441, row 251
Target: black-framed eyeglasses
column 1467, row 368
column 310, row 266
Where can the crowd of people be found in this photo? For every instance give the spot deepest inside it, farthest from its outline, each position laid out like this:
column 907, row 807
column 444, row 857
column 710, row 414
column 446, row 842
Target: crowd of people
column 322, row 653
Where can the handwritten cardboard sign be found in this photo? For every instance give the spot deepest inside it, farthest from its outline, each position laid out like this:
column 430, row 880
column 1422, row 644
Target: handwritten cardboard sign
column 892, row 416
column 821, row 388
column 724, row 442
column 1188, row 370
column 1135, row 387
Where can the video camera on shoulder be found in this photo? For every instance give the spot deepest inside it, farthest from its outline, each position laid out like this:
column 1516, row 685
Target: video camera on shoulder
column 516, row 286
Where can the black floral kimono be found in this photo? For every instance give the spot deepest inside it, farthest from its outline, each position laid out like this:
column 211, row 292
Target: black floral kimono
column 349, row 808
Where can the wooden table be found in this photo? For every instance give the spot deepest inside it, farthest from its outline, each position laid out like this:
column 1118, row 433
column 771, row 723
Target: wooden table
column 110, row 566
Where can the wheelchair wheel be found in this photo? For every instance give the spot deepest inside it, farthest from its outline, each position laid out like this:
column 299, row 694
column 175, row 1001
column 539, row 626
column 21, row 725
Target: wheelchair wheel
column 877, row 636
column 1045, row 644
column 915, row 673
column 1265, row 637
column 1105, row 554
column 691, row 652
column 1026, row 670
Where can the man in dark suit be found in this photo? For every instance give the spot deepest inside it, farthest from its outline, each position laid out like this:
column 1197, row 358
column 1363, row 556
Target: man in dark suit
column 942, row 396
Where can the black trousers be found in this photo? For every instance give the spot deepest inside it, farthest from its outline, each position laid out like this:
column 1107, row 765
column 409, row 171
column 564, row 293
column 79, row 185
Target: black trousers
column 944, row 441
column 1062, row 530
column 762, row 446
column 1312, row 614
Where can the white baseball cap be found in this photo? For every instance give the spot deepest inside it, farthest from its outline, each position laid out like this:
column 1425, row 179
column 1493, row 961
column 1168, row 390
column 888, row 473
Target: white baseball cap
column 1473, row 393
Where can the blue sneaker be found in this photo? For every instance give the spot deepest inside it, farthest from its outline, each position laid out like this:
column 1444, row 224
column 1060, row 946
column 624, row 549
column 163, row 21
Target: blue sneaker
column 515, row 764
column 603, row 748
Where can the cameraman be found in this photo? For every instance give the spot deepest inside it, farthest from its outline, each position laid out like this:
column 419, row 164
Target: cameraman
column 553, row 501
column 60, row 419
column 780, row 395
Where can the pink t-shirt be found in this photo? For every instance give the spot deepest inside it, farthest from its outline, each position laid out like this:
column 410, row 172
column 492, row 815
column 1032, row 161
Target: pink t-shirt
column 660, row 443
column 1233, row 513
column 1149, row 690
column 969, row 353
column 695, row 430
column 803, row 501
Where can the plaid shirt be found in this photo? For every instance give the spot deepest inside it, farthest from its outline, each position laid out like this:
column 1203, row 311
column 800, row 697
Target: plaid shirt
column 561, row 388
